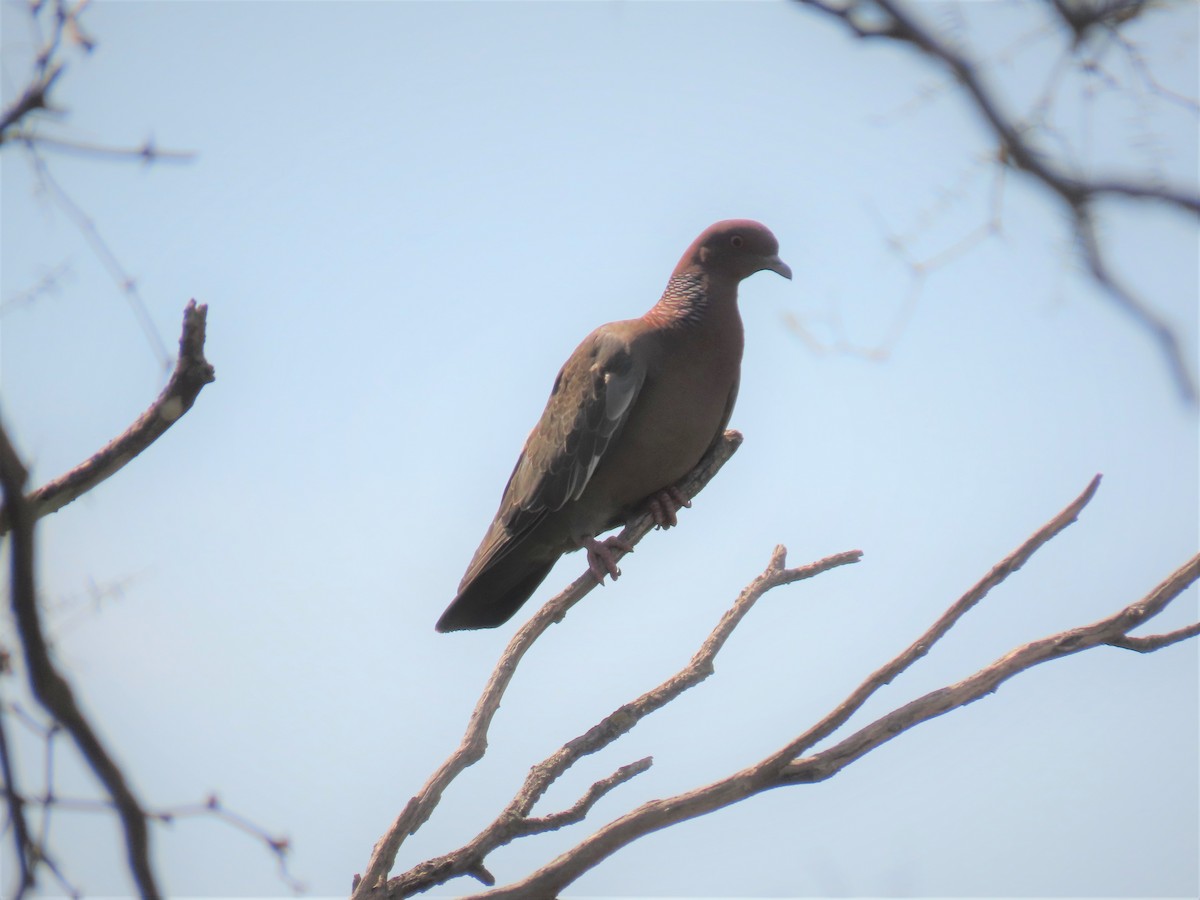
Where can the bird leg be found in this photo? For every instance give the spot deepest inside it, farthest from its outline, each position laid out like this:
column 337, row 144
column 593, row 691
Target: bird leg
column 600, row 557
column 665, row 503
column 662, row 505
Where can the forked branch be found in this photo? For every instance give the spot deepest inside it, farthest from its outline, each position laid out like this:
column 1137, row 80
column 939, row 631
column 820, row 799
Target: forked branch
column 474, row 742
column 516, row 821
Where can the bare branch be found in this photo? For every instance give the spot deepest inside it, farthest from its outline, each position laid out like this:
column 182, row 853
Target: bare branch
column 514, row 821
column 474, row 742
column 48, row 686
column 1163, row 334
column 891, row 20
column 1133, row 190
column 148, row 152
column 1151, row 642
column 124, row 281
column 1111, row 630
column 622, row 720
column 1082, row 18
column 18, row 515
column 658, row 814
column 578, row 810
column 783, row 768
column 46, row 66
column 279, row 846
column 192, row 372
column 16, row 126
column 46, row 284
column 33, row 98
column 50, row 801
column 921, row 646
column 22, row 843
column 1142, row 68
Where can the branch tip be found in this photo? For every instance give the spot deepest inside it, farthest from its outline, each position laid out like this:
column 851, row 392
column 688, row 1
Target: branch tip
column 192, row 372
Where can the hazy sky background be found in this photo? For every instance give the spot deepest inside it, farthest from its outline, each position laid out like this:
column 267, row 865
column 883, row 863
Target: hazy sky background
column 403, row 217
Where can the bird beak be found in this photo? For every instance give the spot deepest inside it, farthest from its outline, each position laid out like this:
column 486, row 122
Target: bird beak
column 775, row 264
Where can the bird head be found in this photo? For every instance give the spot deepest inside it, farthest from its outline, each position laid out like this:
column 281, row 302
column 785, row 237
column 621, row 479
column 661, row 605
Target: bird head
column 736, row 249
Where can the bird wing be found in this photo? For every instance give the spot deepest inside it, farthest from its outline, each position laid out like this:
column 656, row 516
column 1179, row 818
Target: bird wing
column 588, row 406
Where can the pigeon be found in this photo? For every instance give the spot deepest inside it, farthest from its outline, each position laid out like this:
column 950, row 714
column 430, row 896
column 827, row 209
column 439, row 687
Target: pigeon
column 633, row 410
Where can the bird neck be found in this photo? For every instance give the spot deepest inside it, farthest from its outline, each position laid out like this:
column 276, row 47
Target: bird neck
column 688, row 299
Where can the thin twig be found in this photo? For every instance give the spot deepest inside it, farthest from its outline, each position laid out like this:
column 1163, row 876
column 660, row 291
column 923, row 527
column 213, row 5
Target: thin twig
column 279, row 846
column 211, row 807
column 25, row 849
column 87, row 227
column 148, row 152
column 577, row 811
column 47, row 283
column 1151, row 642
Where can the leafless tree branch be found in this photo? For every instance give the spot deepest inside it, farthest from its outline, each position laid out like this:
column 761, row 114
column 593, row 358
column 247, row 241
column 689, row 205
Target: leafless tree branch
column 47, row 283
column 581, row 807
column 192, row 372
column 515, row 821
column 1110, row 630
column 474, row 742
column 87, row 227
column 49, row 687
column 23, row 843
column 147, row 152
column 921, row 646
column 47, row 67
column 34, row 97
column 892, row 20
column 212, row 806
column 49, row 801
column 1123, row 297
column 786, row 767
column 17, row 125
column 18, row 517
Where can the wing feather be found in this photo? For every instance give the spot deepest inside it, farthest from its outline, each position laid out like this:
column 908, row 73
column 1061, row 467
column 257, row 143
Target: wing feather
column 588, row 406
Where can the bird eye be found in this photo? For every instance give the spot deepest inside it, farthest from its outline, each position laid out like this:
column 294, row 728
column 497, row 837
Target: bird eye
column 737, row 240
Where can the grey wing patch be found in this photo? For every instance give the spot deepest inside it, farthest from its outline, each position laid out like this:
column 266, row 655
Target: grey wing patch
column 614, row 396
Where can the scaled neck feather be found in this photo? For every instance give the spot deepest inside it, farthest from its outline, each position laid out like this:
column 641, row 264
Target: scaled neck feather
column 684, row 302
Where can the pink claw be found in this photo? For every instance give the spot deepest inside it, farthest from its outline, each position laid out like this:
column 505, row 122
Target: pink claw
column 664, row 504
column 600, row 557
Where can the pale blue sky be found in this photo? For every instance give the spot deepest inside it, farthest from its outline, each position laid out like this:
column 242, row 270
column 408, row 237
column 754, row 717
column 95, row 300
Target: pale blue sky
column 403, row 217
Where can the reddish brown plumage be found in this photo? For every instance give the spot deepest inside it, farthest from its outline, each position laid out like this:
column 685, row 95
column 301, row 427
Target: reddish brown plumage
column 632, row 411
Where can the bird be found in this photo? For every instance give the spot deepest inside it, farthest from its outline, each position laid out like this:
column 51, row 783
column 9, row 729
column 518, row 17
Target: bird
column 632, row 411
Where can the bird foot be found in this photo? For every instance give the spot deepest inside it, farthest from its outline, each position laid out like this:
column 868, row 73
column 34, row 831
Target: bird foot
column 665, row 504
column 600, row 557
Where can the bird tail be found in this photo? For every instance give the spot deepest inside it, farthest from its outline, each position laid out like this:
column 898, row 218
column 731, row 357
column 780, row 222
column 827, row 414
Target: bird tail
column 494, row 594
